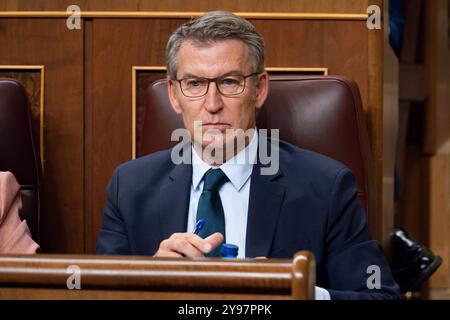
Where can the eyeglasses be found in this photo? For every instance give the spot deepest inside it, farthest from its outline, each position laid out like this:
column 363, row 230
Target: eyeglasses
column 230, row 85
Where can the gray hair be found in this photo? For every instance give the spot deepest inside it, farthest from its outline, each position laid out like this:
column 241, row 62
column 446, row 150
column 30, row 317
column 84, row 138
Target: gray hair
column 215, row 26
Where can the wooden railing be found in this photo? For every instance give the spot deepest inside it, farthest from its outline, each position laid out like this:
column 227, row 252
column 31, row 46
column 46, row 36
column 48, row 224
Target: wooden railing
column 112, row 277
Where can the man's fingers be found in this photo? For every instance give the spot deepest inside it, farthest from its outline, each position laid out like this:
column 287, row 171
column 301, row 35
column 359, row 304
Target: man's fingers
column 167, row 254
column 184, row 244
column 180, row 244
column 200, row 243
column 186, row 247
column 215, row 240
column 189, row 245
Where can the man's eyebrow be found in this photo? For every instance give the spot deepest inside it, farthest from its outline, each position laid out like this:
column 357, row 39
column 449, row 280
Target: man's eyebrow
column 229, row 73
column 189, row 75
column 232, row 73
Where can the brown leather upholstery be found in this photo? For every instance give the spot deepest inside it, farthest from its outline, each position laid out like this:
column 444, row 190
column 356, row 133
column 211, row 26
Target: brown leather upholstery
column 17, row 150
column 319, row 113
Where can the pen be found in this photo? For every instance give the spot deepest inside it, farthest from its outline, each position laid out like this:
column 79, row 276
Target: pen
column 199, row 226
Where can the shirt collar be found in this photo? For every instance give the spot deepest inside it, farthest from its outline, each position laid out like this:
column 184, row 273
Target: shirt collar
column 238, row 169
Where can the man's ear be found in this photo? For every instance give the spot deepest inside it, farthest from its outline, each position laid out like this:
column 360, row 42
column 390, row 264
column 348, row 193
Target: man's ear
column 171, row 90
column 262, row 90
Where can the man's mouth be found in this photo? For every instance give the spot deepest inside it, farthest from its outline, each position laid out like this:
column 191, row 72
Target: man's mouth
column 216, row 125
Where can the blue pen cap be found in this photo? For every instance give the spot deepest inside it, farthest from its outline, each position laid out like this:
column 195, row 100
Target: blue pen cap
column 228, row 250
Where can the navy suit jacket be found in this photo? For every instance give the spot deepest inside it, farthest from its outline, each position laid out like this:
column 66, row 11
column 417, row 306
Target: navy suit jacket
column 311, row 204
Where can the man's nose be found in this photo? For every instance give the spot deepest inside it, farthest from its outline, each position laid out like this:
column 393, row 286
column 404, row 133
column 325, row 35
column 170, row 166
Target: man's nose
column 213, row 99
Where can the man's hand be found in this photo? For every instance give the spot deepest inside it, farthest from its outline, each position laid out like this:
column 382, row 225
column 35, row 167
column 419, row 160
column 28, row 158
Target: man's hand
column 188, row 244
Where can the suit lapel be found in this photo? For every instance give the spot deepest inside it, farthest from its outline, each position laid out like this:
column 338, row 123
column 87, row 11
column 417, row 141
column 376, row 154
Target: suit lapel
column 174, row 203
column 266, row 198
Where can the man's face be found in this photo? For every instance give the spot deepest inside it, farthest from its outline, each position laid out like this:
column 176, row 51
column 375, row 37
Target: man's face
column 214, row 110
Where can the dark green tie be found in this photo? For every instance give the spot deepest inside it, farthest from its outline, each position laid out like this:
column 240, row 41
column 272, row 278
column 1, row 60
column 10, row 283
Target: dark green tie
column 210, row 206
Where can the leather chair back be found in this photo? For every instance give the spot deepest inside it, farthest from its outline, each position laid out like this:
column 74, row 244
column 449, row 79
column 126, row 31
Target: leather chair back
column 17, row 151
column 320, row 113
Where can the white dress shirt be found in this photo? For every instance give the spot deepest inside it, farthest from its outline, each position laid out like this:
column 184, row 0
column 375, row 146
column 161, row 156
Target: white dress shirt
column 234, row 195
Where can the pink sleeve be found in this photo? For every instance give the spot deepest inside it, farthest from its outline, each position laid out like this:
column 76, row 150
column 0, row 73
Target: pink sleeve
column 15, row 236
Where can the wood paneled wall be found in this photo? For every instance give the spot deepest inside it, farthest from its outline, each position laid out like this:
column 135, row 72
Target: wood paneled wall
column 88, row 86
column 289, row 6
column 47, row 42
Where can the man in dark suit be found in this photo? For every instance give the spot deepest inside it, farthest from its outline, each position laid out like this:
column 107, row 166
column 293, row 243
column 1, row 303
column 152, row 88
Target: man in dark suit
column 217, row 83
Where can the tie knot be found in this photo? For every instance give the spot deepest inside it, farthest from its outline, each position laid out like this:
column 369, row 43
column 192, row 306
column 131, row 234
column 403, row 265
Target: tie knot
column 214, row 179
